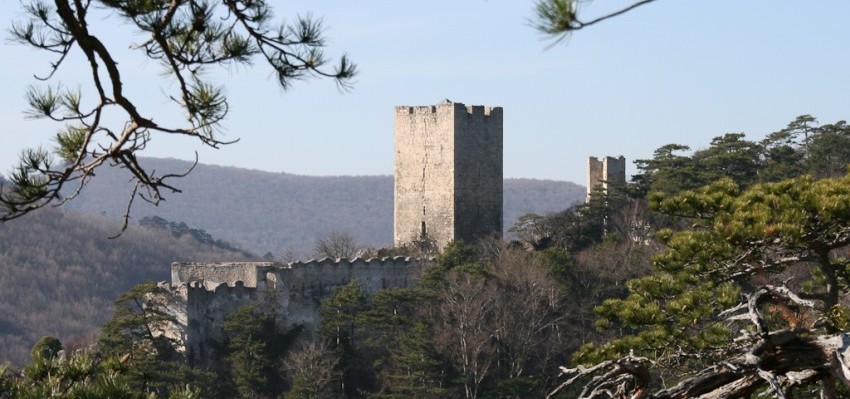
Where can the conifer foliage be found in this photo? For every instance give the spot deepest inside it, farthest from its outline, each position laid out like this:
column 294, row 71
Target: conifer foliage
column 109, row 126
column 753, row 294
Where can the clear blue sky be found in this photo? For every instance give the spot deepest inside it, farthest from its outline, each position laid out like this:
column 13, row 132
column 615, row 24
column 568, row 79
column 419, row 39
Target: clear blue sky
column 672, row 71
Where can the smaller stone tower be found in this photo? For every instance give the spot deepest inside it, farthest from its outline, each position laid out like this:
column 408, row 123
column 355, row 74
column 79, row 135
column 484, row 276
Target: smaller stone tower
column 601, row 173
column 448, row 172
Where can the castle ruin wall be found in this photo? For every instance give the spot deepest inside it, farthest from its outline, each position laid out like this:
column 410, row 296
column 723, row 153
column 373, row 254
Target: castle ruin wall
column 246, row 272
column 202, row 295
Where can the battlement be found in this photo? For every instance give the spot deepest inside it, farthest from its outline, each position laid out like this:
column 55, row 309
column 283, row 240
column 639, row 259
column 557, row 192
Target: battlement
column 223, row 272
column 259, row 274
column 480, row 110
column 447, row 107
column 604, row 172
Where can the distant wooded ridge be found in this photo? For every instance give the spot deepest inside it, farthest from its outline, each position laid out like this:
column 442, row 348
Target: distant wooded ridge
column 266, row 212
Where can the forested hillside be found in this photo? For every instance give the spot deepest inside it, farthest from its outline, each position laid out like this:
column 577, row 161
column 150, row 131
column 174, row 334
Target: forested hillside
column 273, row 212
column 60, row 273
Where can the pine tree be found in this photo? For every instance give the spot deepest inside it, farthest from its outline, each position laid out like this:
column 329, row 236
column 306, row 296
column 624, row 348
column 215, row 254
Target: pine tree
column 760, row 273
column 149, row 360
column 341, row 320
column 249, row 357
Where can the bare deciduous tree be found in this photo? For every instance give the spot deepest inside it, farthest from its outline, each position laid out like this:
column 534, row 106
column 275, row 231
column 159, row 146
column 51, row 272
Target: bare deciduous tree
column 311, row 371
column 527, row 311
column 501, row 321
column 466, row 329
column 335, row 245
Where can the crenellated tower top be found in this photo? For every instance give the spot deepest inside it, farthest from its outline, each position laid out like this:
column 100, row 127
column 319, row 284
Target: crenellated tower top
column 602, row 173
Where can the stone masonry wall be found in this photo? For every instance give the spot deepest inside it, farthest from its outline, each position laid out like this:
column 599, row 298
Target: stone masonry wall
column 478, row 172
column 202, row 295
column 424, row 173
column 448, row 172
column 605, row 171
column 249, row 273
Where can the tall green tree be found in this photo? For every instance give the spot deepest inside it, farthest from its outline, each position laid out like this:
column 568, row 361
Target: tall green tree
column 782, row 157
column 801, row 131
column 130, row 335
column 186, row 39
column 729, row 156
column 249, row 357
column 577, row 227
column 132, row 322
column 384, row 341
column 342, row 321
column 149, row 359
column 801, row 147
column 668, row 171
column 829, row 150
column 408, row 364
column 413, row 367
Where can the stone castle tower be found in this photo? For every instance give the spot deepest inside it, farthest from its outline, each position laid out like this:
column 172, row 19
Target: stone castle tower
column 448, row 172
column 605, row 171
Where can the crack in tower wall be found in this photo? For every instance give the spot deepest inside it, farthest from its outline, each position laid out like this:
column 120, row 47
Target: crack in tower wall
column 448, row 172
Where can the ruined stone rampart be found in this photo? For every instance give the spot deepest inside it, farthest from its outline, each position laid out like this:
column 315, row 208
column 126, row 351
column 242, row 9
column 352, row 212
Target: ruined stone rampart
column 373, row 274
column 201, row 295
column 249, row 273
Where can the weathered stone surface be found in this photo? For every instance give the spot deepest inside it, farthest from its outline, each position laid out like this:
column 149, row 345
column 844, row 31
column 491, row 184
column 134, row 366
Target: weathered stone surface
column 448, row 172
column 604, row 172
column 202, row 295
